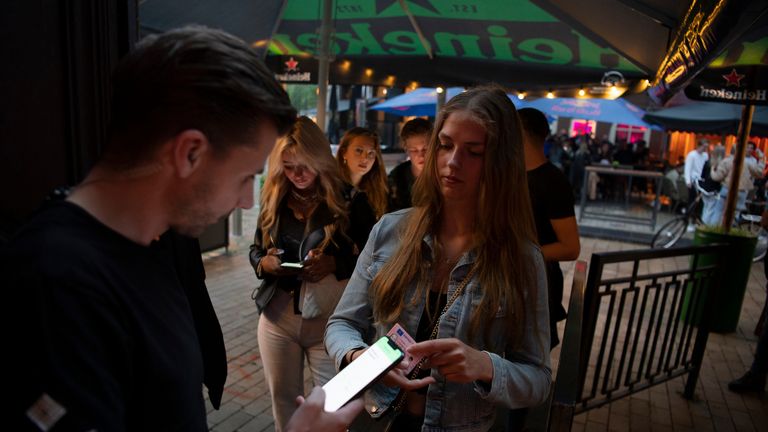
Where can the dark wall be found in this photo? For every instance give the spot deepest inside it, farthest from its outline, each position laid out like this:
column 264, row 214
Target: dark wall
column 57, row 57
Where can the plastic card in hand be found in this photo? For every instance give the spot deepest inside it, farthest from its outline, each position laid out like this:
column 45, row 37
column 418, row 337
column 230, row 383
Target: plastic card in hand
column 292, row 265
column 376, row 361
column 403, row 340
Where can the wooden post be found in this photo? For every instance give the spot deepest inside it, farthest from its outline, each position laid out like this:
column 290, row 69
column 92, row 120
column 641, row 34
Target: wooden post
column 738, row 165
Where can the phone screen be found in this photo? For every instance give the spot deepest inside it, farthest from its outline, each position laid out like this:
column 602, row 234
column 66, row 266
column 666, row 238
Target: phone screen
column 292, row 265
column 358, row 375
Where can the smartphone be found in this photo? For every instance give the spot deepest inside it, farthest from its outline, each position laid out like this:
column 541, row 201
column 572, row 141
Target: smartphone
column 376, row 361
column 297, row 265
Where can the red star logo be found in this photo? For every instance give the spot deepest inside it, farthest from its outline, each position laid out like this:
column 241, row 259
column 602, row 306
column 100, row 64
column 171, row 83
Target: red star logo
column 733, row 79
column 291, row 64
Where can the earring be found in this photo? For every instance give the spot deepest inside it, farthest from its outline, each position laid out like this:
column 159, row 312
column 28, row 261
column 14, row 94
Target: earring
column 345, row 161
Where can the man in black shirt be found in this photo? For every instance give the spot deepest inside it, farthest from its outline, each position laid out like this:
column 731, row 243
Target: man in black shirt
column 415, row 139
column 105, row 329
column 552, row 203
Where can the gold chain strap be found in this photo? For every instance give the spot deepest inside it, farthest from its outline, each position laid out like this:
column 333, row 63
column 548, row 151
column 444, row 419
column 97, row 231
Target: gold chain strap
column 400, row 399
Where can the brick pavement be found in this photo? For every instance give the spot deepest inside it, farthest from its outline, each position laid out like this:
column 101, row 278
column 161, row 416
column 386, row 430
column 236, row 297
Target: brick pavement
column 246, row 405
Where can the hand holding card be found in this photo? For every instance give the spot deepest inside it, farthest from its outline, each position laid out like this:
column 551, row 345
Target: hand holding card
column 403, row 340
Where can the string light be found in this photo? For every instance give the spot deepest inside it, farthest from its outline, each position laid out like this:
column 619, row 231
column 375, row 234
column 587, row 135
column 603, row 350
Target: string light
column 521, row 95
column 550, row 95
column 439, row 90
column 582, row 92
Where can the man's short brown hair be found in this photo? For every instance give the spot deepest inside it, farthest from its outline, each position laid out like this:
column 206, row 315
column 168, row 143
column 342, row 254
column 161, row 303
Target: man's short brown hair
column 417, row 126
column 191, row 78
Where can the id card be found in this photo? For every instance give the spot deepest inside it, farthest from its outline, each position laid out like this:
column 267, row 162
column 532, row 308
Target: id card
column 403, row 340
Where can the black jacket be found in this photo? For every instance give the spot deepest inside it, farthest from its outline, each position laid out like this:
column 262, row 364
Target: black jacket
column 340, row 248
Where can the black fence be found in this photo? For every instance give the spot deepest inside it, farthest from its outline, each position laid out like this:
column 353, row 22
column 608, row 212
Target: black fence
column 631, row 326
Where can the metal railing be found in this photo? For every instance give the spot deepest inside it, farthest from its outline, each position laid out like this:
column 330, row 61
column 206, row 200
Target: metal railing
column 631, row 327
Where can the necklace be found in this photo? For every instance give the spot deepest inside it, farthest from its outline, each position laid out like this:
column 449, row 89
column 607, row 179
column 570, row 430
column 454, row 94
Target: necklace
column 303, row 205
column 309, row 199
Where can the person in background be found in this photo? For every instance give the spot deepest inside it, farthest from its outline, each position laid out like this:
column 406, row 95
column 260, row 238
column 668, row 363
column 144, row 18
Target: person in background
column 723, row 171
column 302, row 220
column 694, row 163
column 711, row 188
column 362, row 168
column 414, row 138
column 552, row 205
column 107, row 331
column 461, row 273
column 581, row 160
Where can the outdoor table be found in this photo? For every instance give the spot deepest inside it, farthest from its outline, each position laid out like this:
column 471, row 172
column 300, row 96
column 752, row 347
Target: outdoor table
column 623, row 172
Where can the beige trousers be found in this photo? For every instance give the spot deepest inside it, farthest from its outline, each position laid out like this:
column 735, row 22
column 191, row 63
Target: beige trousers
column 285, row 339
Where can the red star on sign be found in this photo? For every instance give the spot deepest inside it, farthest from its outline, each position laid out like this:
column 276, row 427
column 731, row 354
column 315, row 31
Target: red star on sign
column 734, row 78
column 291, row 64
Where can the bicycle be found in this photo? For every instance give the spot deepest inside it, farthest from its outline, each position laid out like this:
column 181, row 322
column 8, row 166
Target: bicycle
column 671, row 232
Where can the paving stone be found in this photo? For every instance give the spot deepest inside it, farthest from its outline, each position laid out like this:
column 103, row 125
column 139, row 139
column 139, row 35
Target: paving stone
column 258, row 424
column 660, row 417
column 233, row 422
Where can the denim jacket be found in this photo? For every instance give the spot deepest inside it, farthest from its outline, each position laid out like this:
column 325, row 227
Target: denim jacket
column 520, row 378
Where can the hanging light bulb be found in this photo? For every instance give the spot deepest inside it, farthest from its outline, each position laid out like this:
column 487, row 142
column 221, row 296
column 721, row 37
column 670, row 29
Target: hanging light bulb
column 521, row 95
column 439, row 90
column 582, row 93
column 550, row 95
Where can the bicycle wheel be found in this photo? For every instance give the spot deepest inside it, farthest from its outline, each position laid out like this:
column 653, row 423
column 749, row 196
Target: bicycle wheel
column 669, row 233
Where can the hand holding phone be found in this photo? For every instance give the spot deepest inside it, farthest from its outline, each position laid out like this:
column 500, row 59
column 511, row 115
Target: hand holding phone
column 376, row 361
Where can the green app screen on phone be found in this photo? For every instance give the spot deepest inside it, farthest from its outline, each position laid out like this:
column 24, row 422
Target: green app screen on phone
column 353, row 379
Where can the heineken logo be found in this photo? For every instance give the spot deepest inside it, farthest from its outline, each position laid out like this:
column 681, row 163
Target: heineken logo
column 737, row 85
column 733, row 79
column 292, row 73
column 736, row 96
column 291, row 65
column 495, row 41
column 288, row 69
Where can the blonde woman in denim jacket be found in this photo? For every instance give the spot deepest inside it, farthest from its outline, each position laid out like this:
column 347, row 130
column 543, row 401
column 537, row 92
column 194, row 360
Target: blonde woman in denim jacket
column 471, row 226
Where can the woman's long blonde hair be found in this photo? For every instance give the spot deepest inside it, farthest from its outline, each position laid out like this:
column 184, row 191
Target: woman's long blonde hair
column 504, row 229
column 307, row 142
column 374, row 183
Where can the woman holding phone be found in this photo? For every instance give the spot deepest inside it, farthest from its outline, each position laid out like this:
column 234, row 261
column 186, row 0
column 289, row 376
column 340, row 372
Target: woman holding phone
column 299, row 250
column 461, row 273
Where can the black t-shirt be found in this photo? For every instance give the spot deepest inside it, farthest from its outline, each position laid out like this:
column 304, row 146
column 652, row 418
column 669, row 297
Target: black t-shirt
column 101, row 325
column 551, row 198
column 400, row 183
